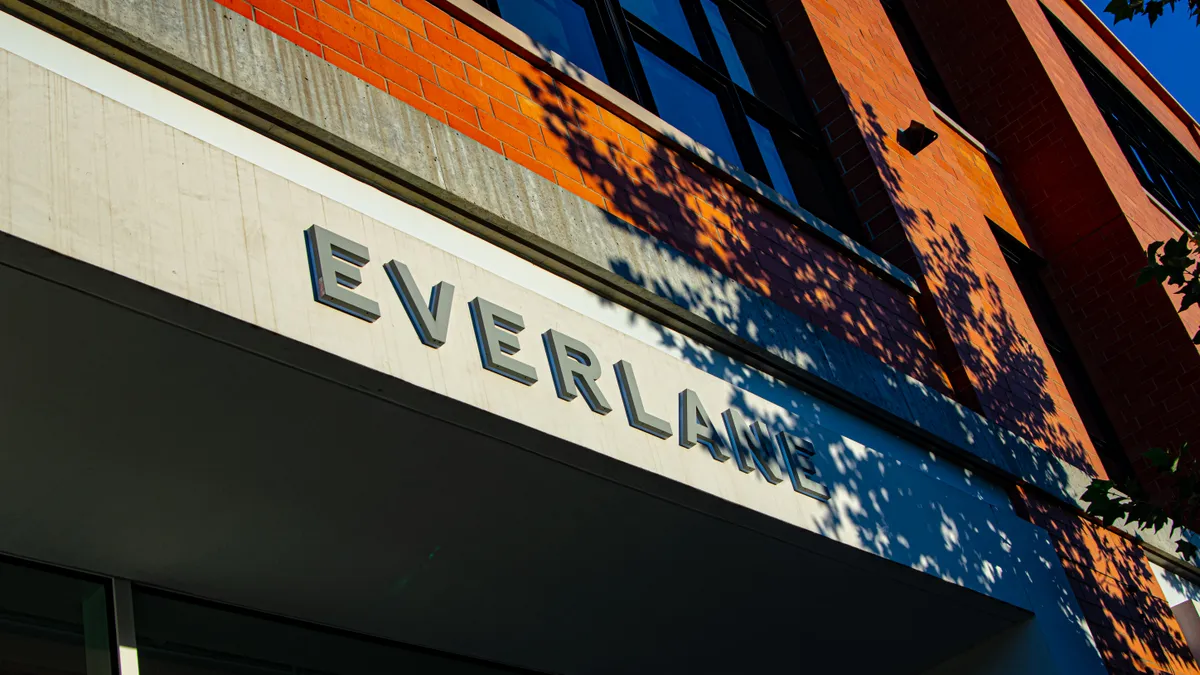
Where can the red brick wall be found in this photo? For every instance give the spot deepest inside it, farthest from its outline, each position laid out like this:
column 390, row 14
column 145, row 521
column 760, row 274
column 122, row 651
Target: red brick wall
column 1019, row 92
column 457, row 75
column 1133, row 626
column 928, row 215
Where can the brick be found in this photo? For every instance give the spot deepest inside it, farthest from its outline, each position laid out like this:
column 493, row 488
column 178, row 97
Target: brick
column 580, row 189
column 506, row 134
column 417, row 102
column 307, row 6
column 345, row 24
column 276, row 9
column 400, row 14
column 287, row 32
column 517, row 119
column 240, row 6
column 431, row 52
column 355, row 69
column 493, row 88
column 484, row 44
column 452, row 44
column 557, row 161
column 407, row 58
column 528, row 161
column 463, row 89
column 500, row 71
column 329, row 38
column 449, row 102
column 474, row 132
column 392, row 71
column 431, row 14
column 384, row 27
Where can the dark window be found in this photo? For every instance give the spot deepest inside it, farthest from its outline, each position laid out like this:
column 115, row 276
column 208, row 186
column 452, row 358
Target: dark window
column 561, row 25
column 666, row 17
column 1165, row 168
column 181, row 637
column 1026, row 269
column 688, row 106
column 714, row 69
column 918, row 57
column 52, row 623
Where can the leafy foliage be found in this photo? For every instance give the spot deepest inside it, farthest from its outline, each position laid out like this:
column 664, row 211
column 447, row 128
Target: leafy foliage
column 1133, row 506
column 1176, row 263
column 1152, row 9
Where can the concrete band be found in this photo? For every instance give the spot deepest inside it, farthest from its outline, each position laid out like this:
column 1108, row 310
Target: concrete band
column 204, row 51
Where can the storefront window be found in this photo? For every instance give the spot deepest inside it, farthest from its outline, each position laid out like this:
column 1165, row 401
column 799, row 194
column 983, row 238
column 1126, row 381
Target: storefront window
column 182, row 637
column 52, row 624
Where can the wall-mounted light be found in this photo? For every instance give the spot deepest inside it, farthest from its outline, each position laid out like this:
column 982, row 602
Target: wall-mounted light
column 916, row 137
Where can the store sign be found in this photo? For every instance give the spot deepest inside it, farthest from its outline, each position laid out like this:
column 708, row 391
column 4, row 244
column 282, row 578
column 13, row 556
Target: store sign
column 336, row 265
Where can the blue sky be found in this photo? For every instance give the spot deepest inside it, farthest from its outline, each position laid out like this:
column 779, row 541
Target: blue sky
column 1170, row 50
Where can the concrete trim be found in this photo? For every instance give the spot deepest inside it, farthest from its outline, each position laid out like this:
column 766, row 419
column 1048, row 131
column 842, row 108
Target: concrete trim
column 481, row 19
column 948, row 121
column 1166, row 212
column 186, row 46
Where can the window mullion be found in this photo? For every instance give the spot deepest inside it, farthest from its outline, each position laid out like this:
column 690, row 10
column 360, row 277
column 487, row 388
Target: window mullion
column 630, row 66
column 743, row 137
column 702, row 32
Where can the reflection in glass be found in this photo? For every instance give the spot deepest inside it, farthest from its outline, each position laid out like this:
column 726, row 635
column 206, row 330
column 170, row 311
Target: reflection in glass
column 770, row 155
column 561, row 25
column 178, row 637
column 665, row 16
column 758, row 63
column 52, row 624
column 688, row 106
column 737, row 72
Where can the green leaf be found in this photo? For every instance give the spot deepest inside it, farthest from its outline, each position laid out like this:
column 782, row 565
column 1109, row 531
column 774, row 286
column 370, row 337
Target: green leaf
column 1158, row 458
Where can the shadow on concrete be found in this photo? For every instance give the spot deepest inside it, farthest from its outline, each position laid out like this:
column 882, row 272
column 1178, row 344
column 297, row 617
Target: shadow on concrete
column 890, row 498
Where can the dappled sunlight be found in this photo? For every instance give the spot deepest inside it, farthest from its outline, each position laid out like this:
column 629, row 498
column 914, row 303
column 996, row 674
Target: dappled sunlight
column 708, row 222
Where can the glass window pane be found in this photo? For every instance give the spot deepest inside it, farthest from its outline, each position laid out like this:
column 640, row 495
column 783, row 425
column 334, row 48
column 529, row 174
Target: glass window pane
column 561, row 25
column 51, row 623
column 177, row 637
column 666, row 16
column 725, row 42
column 759, row 65
column 770, row 155
column 688, row 106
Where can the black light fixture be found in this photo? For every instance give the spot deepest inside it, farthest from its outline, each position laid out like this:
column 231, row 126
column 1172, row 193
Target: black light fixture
column 916, row 137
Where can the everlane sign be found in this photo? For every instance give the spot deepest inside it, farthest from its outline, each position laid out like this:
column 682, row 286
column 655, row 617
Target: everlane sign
column 336, row 265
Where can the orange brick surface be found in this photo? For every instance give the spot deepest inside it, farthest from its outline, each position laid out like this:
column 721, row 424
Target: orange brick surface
column 1064, row 188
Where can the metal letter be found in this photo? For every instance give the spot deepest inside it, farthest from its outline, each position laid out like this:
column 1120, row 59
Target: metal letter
column 799, row 452
column 496, row 331
column 696, row 427
column 431, row 321
column 635, row 410
column 752, row 447
column 334, row 261
column 575, row 368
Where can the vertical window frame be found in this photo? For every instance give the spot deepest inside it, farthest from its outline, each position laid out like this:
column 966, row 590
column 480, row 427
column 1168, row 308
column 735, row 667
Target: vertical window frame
column 622, row 32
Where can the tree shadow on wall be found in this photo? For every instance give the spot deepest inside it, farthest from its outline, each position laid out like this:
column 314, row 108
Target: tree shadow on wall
column 1114, row 586
column 710, row 225
column 902, row 503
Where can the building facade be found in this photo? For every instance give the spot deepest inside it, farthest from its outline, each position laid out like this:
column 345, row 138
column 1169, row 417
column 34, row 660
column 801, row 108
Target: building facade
column 585, row 336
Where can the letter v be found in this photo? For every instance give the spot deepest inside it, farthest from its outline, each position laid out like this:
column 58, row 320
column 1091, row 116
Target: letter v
column 431, row 321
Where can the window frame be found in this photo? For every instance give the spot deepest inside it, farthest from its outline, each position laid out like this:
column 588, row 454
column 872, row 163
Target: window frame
column 1163, row 166
column 618, row 32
